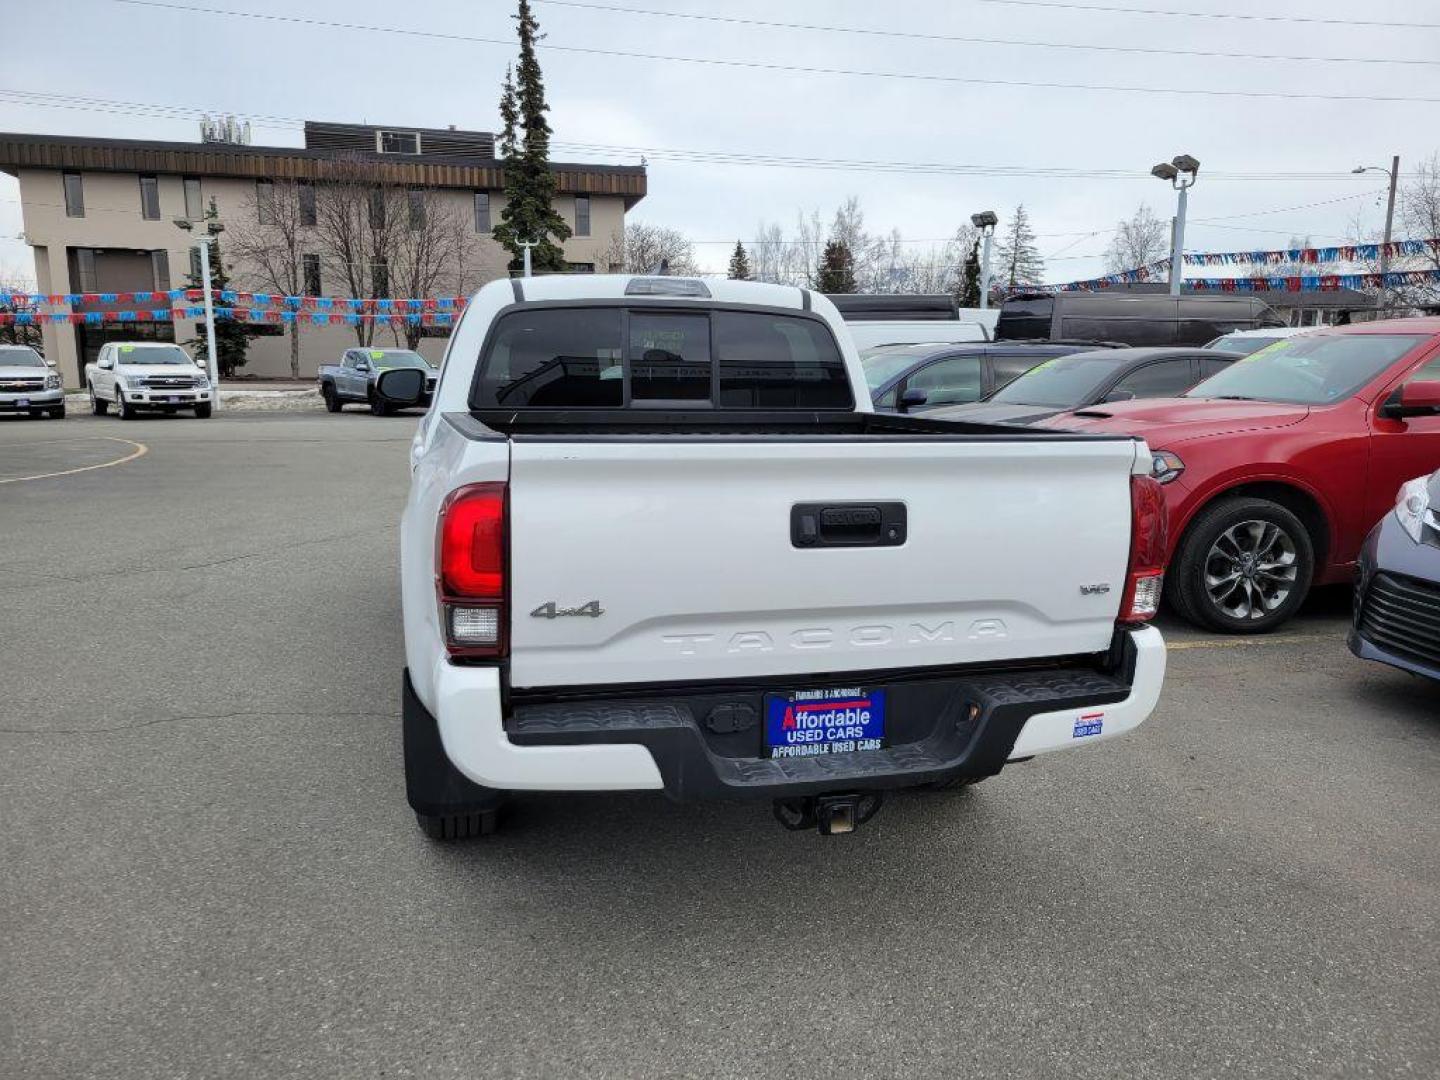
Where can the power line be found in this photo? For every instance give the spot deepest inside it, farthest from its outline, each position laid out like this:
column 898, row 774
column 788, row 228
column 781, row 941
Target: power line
column 1214, row 14
column 41, row 99
column 795, row 69
column 959, row 39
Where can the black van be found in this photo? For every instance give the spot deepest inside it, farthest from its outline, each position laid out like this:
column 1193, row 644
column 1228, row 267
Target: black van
column 1130, row 318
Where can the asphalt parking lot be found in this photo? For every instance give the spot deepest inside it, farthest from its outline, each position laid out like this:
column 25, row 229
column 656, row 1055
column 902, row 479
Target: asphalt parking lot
column 210, row 869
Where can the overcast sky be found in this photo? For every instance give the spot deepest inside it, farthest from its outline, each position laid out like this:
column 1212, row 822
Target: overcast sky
column 176, row 56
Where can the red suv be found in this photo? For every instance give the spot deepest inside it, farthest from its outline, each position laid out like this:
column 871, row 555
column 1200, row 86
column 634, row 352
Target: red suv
column 1276, row 468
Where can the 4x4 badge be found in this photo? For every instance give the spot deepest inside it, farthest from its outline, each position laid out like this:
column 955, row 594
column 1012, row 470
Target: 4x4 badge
column 549, row 610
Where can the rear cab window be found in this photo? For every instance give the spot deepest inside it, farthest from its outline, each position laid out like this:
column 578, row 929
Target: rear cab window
column 617, row 357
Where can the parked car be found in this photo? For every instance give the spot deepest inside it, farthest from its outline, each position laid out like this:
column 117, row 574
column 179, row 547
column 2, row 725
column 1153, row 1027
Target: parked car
column 868, row 335
column 353, row 379
column 154, row 375
column 1131, row 318
column 28, row 385
column 1245, row 342
column 1397, row 584
column 652, row 521
column 1275, row 468
column 904, row 378
column 907, row 308
column 1090, row 378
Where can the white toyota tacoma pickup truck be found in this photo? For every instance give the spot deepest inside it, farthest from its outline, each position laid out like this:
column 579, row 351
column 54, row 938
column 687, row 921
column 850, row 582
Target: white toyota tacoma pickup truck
column 656, row 538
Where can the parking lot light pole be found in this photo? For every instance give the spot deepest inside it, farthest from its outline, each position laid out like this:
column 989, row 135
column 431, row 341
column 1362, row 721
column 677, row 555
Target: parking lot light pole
column 527, row 245
column 985, row 221
column 1182, row 173
column 212, row 368
column 1394, row 173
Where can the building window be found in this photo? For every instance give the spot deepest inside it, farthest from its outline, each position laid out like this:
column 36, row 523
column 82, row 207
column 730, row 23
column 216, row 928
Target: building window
column 74, row 194
column 265, row 202
column 194, row 204
column 149, row 198
column 377, row 209
column 160, row 270
column 482, row 212
column 582, row 215
column 311, row 265
column 85, row 269
column 307, row 203
column 380, row 277
column 397, row 142
column 416, row 199
column 195, row 272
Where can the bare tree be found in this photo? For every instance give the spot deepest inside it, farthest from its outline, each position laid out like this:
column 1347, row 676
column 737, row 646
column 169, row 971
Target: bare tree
column 13, row 280
column 768, row 253
column 1140, row 241
column 435, row 250
column 268, row 244
column 644, row 248
column 1420, row 220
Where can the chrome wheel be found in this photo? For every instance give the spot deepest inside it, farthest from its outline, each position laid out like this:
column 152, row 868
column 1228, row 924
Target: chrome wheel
column 1251, row 569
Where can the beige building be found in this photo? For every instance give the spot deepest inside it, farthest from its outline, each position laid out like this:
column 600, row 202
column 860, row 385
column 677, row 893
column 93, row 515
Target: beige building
column 100, row 216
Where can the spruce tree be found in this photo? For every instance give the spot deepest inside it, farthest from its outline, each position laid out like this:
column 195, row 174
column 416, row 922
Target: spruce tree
column 1020, row 261
column 739, row 263
column 232, row 338
column 967, row 286
column 837, row 269
column 529, row 213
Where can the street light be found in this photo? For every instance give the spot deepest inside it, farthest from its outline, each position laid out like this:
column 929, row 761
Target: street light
column 203, row 243
column 1181, row 172
column 985, row 221
column 1394, row 173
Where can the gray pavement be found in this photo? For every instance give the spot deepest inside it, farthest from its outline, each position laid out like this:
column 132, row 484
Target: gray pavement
column 210, row 870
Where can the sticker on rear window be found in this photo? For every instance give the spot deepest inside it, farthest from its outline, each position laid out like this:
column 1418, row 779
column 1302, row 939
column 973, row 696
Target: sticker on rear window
column 377, row 354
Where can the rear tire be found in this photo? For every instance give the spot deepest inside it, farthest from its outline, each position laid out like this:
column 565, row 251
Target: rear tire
column 452, row 827
column 98, row 407
column 332, row 399
column 1244, row 567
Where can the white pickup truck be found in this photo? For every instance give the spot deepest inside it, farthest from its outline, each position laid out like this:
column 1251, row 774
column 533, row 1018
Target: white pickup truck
column 656, row 538
column 135, row 375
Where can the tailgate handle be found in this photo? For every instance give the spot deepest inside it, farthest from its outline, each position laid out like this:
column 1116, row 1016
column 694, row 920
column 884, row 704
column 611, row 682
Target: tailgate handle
column 858, row 524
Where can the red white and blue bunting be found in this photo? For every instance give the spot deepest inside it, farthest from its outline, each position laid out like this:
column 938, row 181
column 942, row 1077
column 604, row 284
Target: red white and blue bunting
column 247, row 307
column 1344, row 253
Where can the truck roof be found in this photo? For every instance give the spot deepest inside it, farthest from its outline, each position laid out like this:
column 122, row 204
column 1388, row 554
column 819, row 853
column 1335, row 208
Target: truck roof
column 614, row 286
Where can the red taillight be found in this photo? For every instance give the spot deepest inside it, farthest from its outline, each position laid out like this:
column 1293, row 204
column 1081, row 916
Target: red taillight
column 472, row 570
column 1149, row 539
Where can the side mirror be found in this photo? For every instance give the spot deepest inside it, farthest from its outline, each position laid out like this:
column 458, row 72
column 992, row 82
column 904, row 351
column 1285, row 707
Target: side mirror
column 912, row 398
column 362, row 365
column 48, row 362
column 1120, row 395
column 107, row 363
column 401, row 386
column 1419, row 397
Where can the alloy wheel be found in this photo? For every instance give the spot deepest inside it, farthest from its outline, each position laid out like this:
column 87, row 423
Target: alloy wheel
column 1251, row 569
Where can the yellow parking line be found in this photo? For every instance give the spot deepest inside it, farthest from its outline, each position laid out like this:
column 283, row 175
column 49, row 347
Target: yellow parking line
column 1237, row 643
column 140, row 449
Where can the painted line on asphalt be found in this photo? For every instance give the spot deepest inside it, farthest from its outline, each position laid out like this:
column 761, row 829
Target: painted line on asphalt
column 140, row 450
column 1238, row 643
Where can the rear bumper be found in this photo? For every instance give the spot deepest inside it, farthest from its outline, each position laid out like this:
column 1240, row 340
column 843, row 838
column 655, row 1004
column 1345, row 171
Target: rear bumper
column 699, row 744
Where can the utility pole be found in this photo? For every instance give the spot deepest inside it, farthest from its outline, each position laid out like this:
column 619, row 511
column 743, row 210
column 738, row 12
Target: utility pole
column 985, row 221
column 527, row 245
column 1182, row 173
column 203, row 243
column 1394, row 173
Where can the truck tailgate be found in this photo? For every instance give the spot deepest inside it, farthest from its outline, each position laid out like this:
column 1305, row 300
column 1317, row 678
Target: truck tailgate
column 671, row 560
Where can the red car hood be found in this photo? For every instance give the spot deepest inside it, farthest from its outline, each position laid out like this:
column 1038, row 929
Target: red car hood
column 1166, row 422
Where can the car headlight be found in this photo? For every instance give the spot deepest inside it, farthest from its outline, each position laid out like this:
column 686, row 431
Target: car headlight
column 202, row 382
column 1165, row 466
column 1412, row 507
column 52, row 382
column 133, row 382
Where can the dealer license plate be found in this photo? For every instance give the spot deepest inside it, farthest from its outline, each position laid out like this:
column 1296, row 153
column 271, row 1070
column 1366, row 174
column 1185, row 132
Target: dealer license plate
column 837, row 720
column 22, row 403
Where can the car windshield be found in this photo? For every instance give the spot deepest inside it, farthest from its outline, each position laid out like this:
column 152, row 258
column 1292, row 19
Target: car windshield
column 1309, row 370
column 393, row 358
column 20, row 356
column 154, row 354
column 1242, row 344
column 884, row 362
column 1062, row 383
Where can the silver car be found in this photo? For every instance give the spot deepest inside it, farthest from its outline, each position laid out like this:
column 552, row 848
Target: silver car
column 28, row 385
